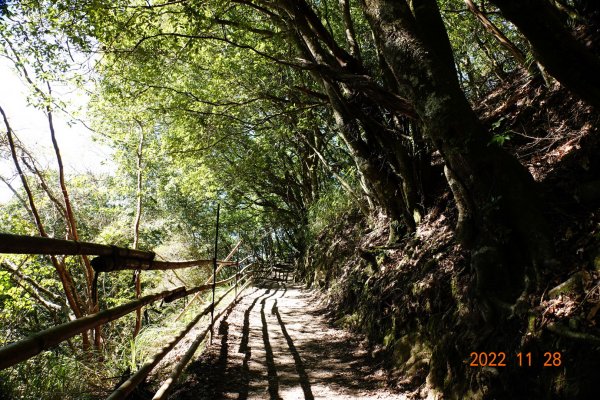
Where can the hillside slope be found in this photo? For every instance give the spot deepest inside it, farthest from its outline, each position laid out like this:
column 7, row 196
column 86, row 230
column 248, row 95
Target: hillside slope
column 417, row 301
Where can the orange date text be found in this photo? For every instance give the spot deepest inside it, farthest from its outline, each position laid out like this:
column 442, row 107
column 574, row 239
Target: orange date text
column 501, row 359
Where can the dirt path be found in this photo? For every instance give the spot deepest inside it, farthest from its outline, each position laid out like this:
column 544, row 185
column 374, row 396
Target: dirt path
column 275, row 344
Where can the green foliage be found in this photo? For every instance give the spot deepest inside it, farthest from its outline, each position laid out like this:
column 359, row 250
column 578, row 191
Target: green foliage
column 209, row 92
column 499, row 139
column 51, row 375
column 499, row 136
column 481, row 61
column 331, row 206
column 221, row 123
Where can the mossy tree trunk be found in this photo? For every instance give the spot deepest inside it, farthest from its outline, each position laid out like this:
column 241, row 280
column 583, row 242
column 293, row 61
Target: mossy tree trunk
column 358, row 103
column 500, row 216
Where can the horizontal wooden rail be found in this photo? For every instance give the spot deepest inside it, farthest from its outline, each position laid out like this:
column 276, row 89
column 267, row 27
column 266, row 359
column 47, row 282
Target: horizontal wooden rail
column 109, row 263
column 20, row 244
column 240, row 272
column 209, row 281
column 130, row 384
column 16, row 352
column 183, row 292
column 110, row 258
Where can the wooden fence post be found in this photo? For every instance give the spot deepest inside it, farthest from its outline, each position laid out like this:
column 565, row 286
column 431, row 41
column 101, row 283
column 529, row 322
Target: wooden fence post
column 237, row 272
column 212, row 309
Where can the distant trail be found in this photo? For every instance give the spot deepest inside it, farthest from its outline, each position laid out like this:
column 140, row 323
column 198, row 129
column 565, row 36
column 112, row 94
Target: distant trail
column 275, row 344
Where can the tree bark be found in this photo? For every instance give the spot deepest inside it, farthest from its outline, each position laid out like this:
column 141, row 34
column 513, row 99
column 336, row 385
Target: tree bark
column 136, row 227
column 563, row 57
column 357, row 104
column 384, row 186
column 92, row 304
column 496, row 196
column 497, row 33
column 71, row 221
column 63, row 274
column 353, row 47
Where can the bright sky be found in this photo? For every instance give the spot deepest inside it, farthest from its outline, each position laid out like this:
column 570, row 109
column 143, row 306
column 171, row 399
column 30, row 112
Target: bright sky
column 79, row 152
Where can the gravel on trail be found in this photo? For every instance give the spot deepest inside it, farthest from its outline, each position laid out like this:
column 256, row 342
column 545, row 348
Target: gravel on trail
column 277, row 344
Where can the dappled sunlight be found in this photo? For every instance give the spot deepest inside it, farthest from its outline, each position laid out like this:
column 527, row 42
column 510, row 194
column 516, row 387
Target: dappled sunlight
column 285, row 349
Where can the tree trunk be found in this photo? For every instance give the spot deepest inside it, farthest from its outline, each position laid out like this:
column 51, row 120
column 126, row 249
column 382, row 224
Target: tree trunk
column 497, row 33
column 357, row 107
column 354, row 50
column 71, row 221
column 66, row 278
column 383, row 184
column 92, row 304
column 63, row 274
column 496, row 197
column 554, row 46
column 136, row 227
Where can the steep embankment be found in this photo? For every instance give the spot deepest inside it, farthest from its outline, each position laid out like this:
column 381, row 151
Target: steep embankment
column 416, row 300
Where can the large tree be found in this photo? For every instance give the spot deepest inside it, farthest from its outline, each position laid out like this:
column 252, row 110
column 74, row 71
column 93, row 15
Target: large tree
column 386, row 72
column 555, row 46
column 499, row 209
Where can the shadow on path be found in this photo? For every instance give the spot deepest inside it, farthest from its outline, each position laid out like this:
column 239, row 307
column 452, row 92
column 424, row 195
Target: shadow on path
column 245, row 372
column 202, row 372
column 309, row 360
column 304, row 383
column 222, row 361
column 271, row 369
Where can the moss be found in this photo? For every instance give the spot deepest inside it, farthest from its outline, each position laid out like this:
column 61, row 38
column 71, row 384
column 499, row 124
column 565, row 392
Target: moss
column 454, row 287
column 531, row 324
column 388, row 339
column 350, row 321
column 411, row 353
column 573, row 284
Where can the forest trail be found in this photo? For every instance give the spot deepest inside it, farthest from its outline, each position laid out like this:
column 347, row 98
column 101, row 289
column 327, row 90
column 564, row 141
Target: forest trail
column 276, row 344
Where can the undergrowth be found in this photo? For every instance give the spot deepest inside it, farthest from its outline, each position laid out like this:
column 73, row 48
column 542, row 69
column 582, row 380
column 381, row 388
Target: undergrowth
column 416, row 301
column 68, row 373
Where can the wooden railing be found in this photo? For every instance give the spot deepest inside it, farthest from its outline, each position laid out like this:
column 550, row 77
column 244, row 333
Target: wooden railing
column 281, row 272
column 274, row 271
column 112, row 258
